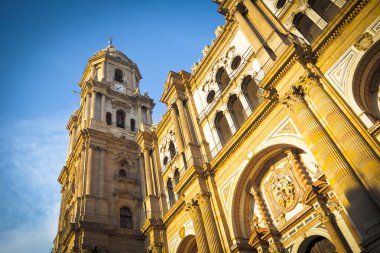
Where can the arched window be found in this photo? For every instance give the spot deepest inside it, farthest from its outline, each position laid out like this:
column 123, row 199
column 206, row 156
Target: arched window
column 210, row 97
column 165, row 161
column 122, row 173
column 325, row 8
column 222, row 128
column 171, row 196
column 120, row 118
column 125, row 218
column 119, row 75
column 176, row 176
column 306, row 27
column 236, row 110
column 249, row 89
column 236, row 62
column 109, row 118
column 133, row 125
column 172, row 150
column 222, row 78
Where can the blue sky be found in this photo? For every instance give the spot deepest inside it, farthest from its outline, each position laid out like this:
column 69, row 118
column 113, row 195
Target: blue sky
column 44, row 49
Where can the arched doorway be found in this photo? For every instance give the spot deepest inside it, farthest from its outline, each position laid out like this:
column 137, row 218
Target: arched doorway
column 317, row 244
column 188, row 245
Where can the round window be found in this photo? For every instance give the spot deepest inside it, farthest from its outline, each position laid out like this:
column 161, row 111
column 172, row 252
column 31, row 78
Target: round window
column 236, row 62
column 280, row 4
column 210, row 96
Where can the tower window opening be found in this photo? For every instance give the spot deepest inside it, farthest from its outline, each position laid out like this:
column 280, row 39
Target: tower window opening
column 120, row 119
column 119, row 75
column 125, row 218
column 122, row 173
column 109, row 118
column 133, row 125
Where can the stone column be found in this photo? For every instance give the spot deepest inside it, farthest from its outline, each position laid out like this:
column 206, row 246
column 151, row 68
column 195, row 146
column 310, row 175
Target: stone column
column 349, row 189
column 177, row 130
column 255, row 191
column 103, row 108
column 246, row 29
column 133, row 81
column 258, row 20
column 301, row 173
column 89, row 165
column 244, row 102
column 149, row 116
column 148, row 172
column 365, row 162
column 184, row 123
column 161, row 191
column 318, row 20
column 87, row 108
column 275, row 21
column 104, row 71
column 128, row 119
column 113, row 116
column 81, row 173
column 139, row 116
column 102, row 173
column 209, row 223
column 93, row 102
column 337, row 207
column 230, row 121
column 327, row 220
column 200, row 233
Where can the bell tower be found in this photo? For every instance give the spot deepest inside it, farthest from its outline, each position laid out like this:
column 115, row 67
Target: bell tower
column 101, row 183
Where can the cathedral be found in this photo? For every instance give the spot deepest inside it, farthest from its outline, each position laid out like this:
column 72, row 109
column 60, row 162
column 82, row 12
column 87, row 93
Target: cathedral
column 270, row 144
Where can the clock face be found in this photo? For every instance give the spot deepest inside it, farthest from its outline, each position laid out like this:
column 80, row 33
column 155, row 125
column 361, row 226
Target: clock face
column 119, row 88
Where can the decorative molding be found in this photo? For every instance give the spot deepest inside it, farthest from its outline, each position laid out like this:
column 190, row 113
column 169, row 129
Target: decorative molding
column 338, row 73
column 364, row 41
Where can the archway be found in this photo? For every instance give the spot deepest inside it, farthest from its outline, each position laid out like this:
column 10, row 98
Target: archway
column 316, row 244
column 269, row 165
column 188, row 245
column 366, row 82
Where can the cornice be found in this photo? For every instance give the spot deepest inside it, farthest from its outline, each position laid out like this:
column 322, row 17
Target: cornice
column 212, row 56
column 174, row 210
column 164, row 123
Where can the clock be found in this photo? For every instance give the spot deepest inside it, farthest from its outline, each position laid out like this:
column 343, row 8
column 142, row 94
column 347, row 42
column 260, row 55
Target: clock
column 119, row 88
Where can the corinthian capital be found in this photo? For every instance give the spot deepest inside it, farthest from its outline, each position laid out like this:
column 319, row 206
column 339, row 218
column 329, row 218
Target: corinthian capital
column 203, row 199
column 310, row 81
column 324, row 217
column 294, row 96
column 192, row 207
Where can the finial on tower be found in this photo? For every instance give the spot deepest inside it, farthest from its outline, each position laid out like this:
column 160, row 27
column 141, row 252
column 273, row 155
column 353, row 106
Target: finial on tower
column 110, row 42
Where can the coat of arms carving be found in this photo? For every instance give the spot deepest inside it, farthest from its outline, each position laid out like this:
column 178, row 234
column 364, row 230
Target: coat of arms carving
column 283, row 190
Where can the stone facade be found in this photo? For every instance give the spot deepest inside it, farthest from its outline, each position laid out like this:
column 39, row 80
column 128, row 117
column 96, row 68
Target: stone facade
column 271, row 144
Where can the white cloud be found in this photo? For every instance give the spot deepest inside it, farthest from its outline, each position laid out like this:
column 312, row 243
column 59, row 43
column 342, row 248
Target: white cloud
column 33, row 152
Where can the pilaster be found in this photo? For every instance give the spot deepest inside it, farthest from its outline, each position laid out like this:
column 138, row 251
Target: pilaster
column 338, row 172
column 200, row 232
